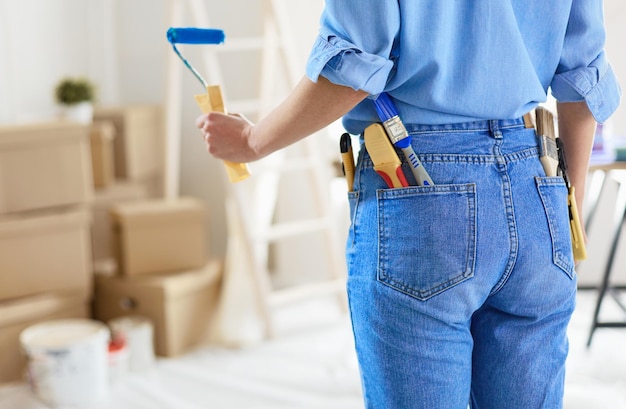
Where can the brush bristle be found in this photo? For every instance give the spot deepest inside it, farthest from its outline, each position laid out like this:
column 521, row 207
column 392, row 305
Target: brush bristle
column 545, row 122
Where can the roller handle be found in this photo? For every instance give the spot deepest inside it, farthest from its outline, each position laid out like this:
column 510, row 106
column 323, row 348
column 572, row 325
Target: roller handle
column 392, row 175
column 213, row 101
column 576, row 231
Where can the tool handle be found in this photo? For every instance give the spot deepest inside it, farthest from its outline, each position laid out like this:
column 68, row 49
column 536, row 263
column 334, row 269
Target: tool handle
column 347, row 159
column 392, row 175
column 550, row 165
column 576, row 231
column 421, row 176
column 212, row 101
column 193, row 35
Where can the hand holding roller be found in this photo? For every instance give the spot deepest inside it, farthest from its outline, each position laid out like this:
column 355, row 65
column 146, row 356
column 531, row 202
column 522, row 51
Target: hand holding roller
column 212, row 101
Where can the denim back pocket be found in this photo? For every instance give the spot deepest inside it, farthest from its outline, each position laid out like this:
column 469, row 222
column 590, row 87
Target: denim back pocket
column 353, row 198
column 553, row 193
column 427, row 238
column 353, row 201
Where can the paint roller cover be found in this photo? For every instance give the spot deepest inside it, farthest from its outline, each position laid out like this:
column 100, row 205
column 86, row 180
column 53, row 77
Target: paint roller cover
column 191, row 35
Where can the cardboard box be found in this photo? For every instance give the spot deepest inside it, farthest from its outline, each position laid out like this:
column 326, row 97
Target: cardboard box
column 139, row 141
column 104, row 200
column 18, row 314
column 102, row 136
column 45, row 251
column 180, row 305
column 44, row 165
column 158, row 236
column 155, row 185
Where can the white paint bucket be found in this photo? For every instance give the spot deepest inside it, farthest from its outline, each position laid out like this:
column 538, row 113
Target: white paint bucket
column 119, row 357
column 67, row 361
column 138, row 332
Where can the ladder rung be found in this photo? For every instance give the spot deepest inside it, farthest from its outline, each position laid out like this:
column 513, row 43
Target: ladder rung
column 276, row 53
column 288, row 165
column 288, row 229
column 250, row 105
column 244, row 106
column 299, row 292
column 242, row 44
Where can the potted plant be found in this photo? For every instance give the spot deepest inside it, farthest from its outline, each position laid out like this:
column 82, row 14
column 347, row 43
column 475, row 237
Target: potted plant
column 76, row 97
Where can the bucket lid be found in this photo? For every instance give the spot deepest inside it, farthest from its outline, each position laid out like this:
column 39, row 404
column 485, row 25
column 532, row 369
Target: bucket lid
column 62, row 333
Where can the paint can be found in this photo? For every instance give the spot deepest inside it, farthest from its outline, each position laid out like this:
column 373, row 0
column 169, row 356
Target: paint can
column 67, row 361
column 138, row 332
column 119, row 357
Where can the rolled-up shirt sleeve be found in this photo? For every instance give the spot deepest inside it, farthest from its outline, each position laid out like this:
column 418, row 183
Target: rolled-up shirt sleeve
column 354, row 47
column 584, row 72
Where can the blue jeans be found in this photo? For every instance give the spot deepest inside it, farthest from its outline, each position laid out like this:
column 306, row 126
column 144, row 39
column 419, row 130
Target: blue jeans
column 460, row 293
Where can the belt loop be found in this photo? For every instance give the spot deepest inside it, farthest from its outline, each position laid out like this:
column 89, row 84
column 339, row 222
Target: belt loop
column 494, row 128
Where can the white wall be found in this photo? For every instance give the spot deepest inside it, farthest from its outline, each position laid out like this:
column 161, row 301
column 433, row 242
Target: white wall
column 615, row 16
column 38, row 48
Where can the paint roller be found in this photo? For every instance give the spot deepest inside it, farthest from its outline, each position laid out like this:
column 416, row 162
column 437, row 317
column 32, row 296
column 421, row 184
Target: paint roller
column 212, row 100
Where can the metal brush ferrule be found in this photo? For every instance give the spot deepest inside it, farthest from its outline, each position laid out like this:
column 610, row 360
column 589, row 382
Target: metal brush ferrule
column 395, row 129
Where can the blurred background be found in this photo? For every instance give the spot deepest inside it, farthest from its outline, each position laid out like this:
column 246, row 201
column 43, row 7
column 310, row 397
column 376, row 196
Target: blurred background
column 140, row 146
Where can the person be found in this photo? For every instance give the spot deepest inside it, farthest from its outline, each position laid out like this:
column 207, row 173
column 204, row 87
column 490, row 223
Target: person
column 460, row 292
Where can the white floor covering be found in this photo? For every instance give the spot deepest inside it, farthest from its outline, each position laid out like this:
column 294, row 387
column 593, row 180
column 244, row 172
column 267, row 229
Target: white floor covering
column 311, row 365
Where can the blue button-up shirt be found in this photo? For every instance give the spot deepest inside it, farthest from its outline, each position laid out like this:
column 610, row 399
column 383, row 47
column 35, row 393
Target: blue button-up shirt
column 448, row 61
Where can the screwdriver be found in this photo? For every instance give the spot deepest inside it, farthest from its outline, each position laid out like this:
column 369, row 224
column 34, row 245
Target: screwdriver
column 386, row 161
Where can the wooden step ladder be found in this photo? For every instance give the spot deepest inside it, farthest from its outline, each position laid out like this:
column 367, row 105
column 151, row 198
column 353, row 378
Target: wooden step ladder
column 252, row 204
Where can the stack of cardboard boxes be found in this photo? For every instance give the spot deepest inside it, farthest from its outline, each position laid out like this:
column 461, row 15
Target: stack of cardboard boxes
column 45, row 246
column 78, row 199
column 127, row 150
column 150, row 253
column 163, row 272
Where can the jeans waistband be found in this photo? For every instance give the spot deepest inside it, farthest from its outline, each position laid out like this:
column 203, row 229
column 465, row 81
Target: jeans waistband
column 483, row 125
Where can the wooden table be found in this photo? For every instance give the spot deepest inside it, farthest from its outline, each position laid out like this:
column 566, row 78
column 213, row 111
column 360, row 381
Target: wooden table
column 601, row 174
